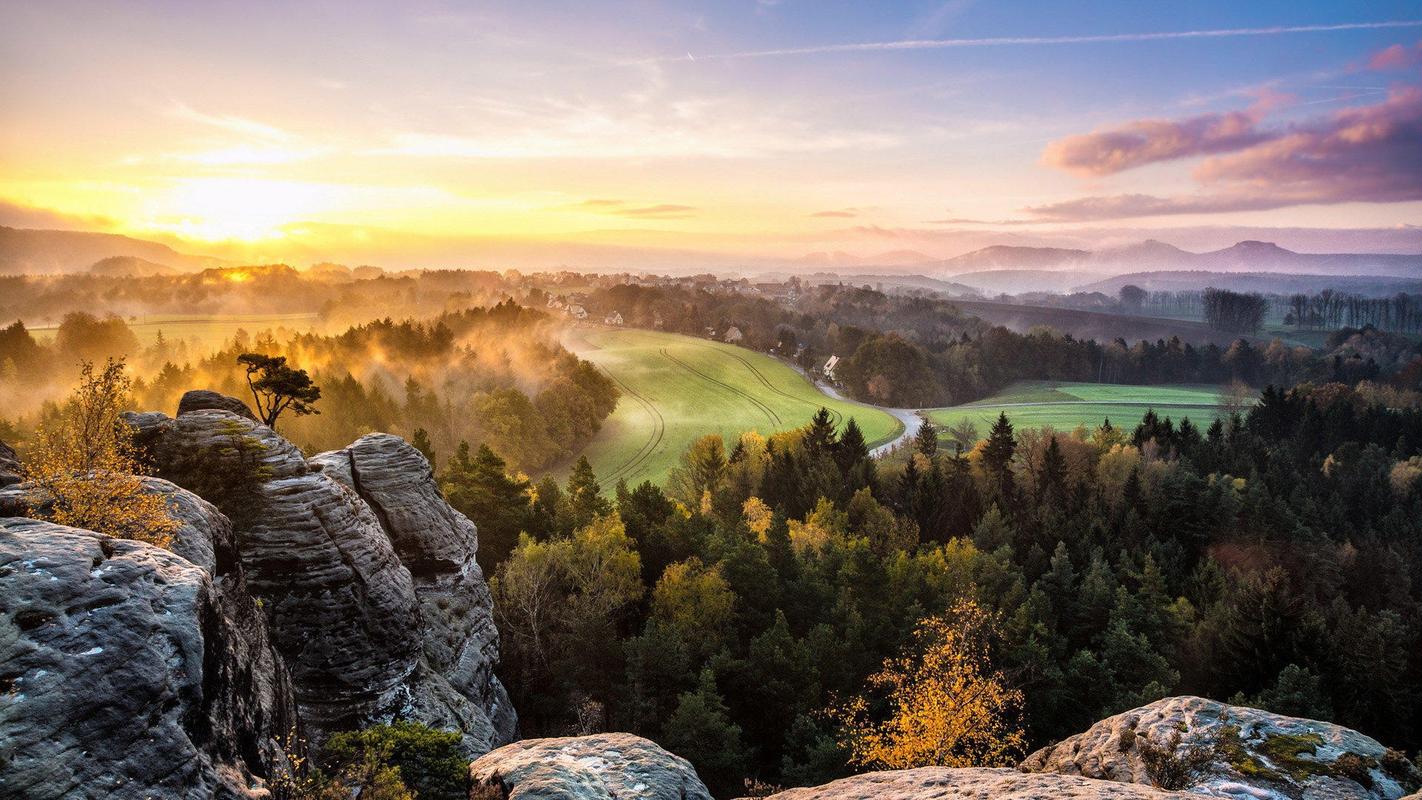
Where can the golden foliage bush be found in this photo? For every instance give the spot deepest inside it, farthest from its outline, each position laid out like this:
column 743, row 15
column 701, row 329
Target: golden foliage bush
column 87, row 469
column 946, row 705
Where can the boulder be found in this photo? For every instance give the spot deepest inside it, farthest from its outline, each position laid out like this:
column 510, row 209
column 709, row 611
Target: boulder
column 946, row 783
column 607, row 766
column 200, row 399
column 1244, row 752
column 9, row 466
column 128, row 671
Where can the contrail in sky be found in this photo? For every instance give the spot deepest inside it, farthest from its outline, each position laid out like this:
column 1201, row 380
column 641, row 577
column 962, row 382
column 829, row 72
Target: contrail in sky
column 1007, row 41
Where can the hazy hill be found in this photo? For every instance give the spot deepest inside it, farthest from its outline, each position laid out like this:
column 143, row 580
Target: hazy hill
column 1152, row 255
column 1002, row 255
column 1265, row 282
column 38, row 252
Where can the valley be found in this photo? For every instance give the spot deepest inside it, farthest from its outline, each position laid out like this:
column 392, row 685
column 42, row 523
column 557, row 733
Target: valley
column 676, row 388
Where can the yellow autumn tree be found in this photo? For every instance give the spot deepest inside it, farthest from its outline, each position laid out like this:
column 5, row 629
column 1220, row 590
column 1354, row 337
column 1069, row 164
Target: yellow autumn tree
column 946, row 705
column 85, row 466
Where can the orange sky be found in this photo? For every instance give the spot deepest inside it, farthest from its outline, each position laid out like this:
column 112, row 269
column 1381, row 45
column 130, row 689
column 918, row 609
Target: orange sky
column 319, row 129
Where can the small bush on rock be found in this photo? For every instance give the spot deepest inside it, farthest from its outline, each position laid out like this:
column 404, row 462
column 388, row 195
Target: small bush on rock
column 1173, row 767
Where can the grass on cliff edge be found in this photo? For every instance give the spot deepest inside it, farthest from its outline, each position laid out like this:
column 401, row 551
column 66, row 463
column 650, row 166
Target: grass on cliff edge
column 678, row 388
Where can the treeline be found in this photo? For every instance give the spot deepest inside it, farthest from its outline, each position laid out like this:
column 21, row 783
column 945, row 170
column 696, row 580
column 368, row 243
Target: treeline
column 913, row 351
column 1271, row 559
column 1234, row 312
column 495, row 375
column 1327, row 309
column 268, row 289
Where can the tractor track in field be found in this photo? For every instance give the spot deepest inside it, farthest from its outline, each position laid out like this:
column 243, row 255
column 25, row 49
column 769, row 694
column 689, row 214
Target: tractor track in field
column 767, row 410
column 659, row 430
column 835, row 416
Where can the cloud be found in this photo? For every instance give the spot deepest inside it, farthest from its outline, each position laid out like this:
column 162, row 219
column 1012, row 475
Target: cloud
column 1367, row 153
column 233, row 124
column 659, row 211
column 622, row 208
column 1396, row 57
column 844, row 213
column 1007, row 41
column 1135, row 144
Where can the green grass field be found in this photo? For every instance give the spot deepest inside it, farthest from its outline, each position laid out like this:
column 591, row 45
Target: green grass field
column 206, row 330
column 677, row 388
column 1064, row 406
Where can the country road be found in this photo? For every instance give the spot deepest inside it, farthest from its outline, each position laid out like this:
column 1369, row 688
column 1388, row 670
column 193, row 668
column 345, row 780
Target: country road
column 908, row 416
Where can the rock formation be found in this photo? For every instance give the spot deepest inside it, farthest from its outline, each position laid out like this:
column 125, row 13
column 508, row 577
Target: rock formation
column 944, row 783
column 607, row 766
column 9, row 466
column 129, row 671
column 367, row 576
column 200, row 399
column 1245, row 752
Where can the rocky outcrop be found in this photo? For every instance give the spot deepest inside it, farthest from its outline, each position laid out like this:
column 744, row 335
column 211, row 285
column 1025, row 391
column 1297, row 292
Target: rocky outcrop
column 944, row 783
column 1244, row 752
column 201, row 399
column 9, row 466
column 608, row 766
column 367, row 576
column 437, row 545
column 129, row 671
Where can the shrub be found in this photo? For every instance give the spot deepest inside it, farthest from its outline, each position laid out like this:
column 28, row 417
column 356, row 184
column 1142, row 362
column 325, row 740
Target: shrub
column 430, row 762
column 1173, row 767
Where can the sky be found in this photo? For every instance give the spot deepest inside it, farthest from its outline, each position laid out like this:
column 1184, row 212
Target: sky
column 476, row 134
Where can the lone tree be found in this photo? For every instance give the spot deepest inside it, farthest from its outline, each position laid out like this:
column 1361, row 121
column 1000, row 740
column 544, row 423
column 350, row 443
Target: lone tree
column 277, row 387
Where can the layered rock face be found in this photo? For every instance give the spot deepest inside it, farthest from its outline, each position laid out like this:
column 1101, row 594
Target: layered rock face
column 129, row 671
column 1251, row 753
column 9, row 465
column 944, row 783
column 608, row 766
column 367, row 576
column 437, row 545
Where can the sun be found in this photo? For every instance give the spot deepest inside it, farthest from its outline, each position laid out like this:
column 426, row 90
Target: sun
column 231, row 209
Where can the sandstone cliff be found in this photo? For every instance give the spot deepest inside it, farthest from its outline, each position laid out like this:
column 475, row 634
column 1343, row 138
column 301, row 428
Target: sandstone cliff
column 129, row 671
column 367, row 576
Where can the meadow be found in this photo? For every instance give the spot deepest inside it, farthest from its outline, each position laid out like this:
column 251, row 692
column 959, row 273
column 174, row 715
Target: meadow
column 1063, row 406
column 677, row 388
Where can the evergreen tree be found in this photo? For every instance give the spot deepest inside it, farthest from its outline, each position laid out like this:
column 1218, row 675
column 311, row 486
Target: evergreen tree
column 926, row 440
column 585, row 500
column 997, row 456
column 700, row 730
column 482, row 490
column 421, row 442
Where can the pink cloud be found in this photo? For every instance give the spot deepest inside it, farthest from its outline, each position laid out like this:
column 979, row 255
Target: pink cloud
column 1363, row 154
column 1135, row 144
column 1396, row 57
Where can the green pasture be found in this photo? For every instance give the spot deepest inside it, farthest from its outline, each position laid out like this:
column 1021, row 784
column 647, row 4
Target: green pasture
column 1064, row 406
column 677, row 388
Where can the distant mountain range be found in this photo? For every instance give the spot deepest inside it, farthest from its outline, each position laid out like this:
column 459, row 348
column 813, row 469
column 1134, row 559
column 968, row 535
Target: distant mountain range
column 1152, row 255
column 43, row 252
